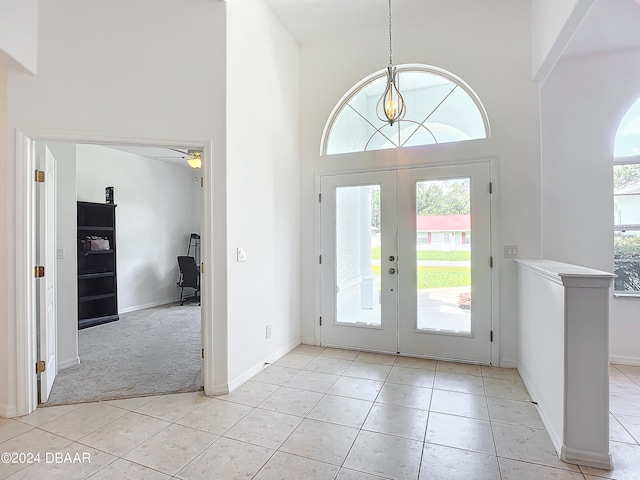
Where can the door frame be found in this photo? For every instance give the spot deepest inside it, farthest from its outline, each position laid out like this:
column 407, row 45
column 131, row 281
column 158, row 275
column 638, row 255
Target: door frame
column 26, row 241
column 492, row 161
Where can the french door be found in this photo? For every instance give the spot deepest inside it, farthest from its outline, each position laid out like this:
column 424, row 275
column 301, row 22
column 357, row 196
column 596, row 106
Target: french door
column 406, row 262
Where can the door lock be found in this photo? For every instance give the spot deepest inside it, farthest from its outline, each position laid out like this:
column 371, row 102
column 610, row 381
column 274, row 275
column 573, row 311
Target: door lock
column 391, row 258
column 392, row 271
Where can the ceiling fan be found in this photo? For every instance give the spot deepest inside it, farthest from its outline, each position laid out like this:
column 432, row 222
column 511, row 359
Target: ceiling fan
column 192, row 156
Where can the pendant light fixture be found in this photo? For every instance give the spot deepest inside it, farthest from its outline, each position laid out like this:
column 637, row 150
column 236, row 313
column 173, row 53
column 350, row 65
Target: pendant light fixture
column 391, row 107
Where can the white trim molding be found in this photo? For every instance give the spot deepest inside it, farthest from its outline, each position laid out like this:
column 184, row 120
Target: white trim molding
column 159, row 303
column 257, row 368
column 72, row 362
column 622, row 360
column 25, row 325
column 25, row 319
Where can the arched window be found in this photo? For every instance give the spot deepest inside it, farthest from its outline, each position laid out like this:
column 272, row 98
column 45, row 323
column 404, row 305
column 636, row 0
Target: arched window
column 626, row 201
column 441, row 108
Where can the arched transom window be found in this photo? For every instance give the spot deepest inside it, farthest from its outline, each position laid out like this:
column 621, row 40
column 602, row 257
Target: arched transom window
column 441, row 108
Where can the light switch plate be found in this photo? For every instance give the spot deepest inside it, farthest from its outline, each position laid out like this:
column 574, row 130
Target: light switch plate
column 241, row 254
column 510, row 251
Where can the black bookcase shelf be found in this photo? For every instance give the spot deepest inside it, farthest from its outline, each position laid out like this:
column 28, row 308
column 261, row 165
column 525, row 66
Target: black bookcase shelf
column 97, row 277
column 87, row 276
column 95, row 229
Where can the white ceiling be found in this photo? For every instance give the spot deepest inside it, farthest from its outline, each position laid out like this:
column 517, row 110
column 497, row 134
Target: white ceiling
column 157, row 153
column 311, row 20
column 609, row 25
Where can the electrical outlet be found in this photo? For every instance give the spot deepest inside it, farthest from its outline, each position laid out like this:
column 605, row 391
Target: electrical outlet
column 241, row 254
column 268, row 331
column 510, row 251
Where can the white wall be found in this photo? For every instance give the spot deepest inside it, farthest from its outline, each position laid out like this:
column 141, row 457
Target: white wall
column 124, row 74
column 263, row 182
column 577, row 173
column 67, row 267
column 499, row 71
column 154, row 218
column 19, row 33
column 553, row 23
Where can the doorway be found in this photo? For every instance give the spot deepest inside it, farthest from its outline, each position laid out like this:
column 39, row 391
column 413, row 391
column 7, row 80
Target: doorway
column 400, row 273
column 152, row 347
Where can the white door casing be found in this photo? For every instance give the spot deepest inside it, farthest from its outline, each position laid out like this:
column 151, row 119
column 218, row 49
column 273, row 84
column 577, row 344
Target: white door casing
column 215, row 362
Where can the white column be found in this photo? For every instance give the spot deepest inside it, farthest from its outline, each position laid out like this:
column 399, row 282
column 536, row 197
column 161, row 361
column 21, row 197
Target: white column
column 586, row 387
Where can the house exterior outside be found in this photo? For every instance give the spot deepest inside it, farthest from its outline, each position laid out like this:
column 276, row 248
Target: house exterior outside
column 443, row 232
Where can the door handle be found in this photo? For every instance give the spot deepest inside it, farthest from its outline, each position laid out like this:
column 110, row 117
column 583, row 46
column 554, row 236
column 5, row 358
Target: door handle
column 392, row 271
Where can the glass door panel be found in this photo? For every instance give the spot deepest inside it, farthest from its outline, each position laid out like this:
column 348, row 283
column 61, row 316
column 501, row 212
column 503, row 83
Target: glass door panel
column 443, row 255
column 357, row 243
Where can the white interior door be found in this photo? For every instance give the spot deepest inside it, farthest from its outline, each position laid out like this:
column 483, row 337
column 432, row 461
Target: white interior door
column 406, row 262
column 359, row 230
column 444, row 268
column 46, row 286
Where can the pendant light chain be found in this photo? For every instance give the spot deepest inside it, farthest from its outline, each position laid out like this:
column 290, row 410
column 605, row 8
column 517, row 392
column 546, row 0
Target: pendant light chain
column 391, row 107
column 390, row 49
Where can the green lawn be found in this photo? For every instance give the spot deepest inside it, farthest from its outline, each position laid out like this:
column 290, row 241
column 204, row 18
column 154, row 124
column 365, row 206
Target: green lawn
column 439, row 277
column 461, row 255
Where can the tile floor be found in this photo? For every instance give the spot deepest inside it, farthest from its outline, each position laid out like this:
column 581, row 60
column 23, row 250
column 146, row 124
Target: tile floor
column 324, row 414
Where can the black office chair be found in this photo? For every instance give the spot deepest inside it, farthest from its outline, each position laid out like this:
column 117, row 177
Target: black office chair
column 189, row 278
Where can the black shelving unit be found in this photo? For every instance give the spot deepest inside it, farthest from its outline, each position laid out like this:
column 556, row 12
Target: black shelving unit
column 97, row 278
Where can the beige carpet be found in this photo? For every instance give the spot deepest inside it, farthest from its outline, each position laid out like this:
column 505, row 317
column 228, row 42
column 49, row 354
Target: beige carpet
column 148, row 352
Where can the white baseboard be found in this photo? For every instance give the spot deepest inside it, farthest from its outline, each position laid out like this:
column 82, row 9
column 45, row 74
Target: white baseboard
column 546, row 421
column 283, row 351
column 587, row 458
column 221, row 389
column 254, row 370
column 148, row 305
column 246, row 375
column 8, row 411
column 622, row 360
column 72, row 362
column 505, row 363
column 308, row 341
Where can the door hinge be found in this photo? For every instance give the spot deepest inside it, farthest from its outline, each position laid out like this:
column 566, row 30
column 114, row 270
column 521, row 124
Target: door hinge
column 202, row 182
column 41, row 366
column 319, row 198
column 320, row 321
column 320, row 259
column 203, row 353
column 491, row 337
column 491, row 261
column 38, row 271
column 490, row 187
column 39, row 178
